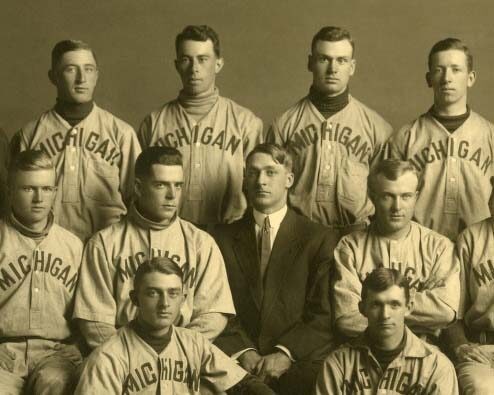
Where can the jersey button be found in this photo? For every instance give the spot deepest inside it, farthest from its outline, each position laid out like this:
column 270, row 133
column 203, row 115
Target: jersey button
column 452, row 179
column 328, row 167
column 36, row 289
column 72, row 167
column 198, row 165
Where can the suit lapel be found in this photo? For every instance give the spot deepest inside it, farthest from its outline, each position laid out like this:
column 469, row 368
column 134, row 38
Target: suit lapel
column 246, row 251
column 282, row 256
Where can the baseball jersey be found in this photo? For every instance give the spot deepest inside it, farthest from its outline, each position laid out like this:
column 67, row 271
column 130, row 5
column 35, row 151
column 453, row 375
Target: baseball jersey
column 214, row 150
column 94, row 162
column 4, row 161
column 475, row 250
column 420, row 256
column 456, row 168
column 112, row 256
column 419, row 369
column 37, row 282
column 332, row 158
column 126, row 364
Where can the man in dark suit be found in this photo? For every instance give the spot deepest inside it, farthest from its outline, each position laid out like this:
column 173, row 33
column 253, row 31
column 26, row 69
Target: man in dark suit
column 278, row 265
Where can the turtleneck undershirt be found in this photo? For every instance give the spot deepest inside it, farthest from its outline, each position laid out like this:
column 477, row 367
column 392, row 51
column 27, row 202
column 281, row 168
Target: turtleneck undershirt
column 73, row 113
column 328, row 105
column 198, row 106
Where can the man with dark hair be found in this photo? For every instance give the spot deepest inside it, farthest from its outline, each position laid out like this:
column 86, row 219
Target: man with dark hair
column 93, row 151
column 451, row 144
column 213, row 133
column 278, row 266
column 335, row 138
column 394, row 241
column 170, row 359
column 388, row 357
column 39, row 262
column 152, row 229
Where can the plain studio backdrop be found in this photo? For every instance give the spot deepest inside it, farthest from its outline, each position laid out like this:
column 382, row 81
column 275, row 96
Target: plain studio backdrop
column 264, row 43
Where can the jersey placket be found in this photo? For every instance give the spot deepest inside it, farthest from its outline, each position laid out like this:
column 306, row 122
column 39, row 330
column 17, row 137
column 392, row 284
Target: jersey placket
column 326, row 179
column 37, row 289
column 451, row 196
column 196, row 166
column 395, row 255
column 71, row 167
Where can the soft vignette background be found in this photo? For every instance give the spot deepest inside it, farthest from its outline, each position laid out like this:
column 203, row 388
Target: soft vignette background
column 265, row 44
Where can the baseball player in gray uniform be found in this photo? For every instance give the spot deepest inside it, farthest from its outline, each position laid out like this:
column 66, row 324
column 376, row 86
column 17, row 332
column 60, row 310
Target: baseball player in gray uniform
column 94, row 151
column 392, row 240
column 4, row 160
column 335, row 138
column 152, row 228
column 471, row 338
column 39, row 261
column 151, row 355
column 388, row 358
column 452, row 145
column 213, row 133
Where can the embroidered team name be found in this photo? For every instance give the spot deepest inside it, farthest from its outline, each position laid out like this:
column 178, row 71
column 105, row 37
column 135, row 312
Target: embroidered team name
column 439, row 150
column 127, row 265
column 105, row 148
column 328, row 131
column 13, row 272
column 207, row 136
column 393, row 379
column 168, row 370
column 408, row 272
column 483, row 272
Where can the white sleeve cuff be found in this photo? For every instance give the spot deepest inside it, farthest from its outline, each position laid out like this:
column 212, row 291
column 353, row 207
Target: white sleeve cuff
column 238, row 354
column 285, row 350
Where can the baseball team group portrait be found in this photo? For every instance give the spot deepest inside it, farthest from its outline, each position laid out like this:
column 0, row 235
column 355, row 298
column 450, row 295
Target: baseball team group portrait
column 309, row 232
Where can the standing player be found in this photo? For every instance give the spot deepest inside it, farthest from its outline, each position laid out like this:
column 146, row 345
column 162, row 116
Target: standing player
column 334, row 137
column 471, row 338
column 39, row 262
column 151, row 355
column 451, row 144
column 4, row 161
column 152, row 228
column 392, row 240
column 94, row 151
column 213, row 133
column 388, row 358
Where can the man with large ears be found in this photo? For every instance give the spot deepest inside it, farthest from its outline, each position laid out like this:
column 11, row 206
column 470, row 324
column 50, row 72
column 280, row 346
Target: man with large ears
column 278, row 265
column 388, row 357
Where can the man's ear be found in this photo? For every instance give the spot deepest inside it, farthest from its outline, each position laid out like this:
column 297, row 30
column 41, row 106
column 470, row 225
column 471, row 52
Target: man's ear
column 361, row 308
column 137, row 187
column 410, row 306
column 220, row 62
column 309, row 63
column 428, row 79
column 52, row 77
column 133, row 297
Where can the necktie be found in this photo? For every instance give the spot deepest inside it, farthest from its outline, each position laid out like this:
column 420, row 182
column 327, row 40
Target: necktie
column 265, row 246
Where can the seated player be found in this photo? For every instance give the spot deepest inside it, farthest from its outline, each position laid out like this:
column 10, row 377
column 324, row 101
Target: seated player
column 152, row 228
column 388, row 358
column 471, row 338
column 39, row 261
column 278, row 266
column 394, row 241
column 150, row 355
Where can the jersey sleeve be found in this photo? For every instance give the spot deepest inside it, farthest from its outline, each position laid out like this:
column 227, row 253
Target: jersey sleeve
column 383, row 133
column 130, row 149
column 94, row 300
column 102, row 374
column 443, row 379
column 347, row 290
column 436, row 307
column 218, row 369
column 396, row 145
column 253, row 135
column 273, row 135
column 212, row 292
column 144, row 132
column 331, row 377
column 463, row 255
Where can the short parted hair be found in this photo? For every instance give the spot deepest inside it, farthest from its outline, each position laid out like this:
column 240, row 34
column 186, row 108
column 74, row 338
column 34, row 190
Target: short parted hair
column 167, row 156
column 451, row 43
column 27, row 161
column 279, row 154
column 381, row 279
column 160, row 264
column 392, row 169
column 66, row 46
column 198, row 33
column 333, row 33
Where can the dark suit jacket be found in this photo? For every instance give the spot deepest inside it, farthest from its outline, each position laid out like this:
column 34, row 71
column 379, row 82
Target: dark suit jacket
column 295, row 307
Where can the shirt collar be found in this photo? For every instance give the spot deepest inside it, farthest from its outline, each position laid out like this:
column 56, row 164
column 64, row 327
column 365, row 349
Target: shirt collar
column 274, row 218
